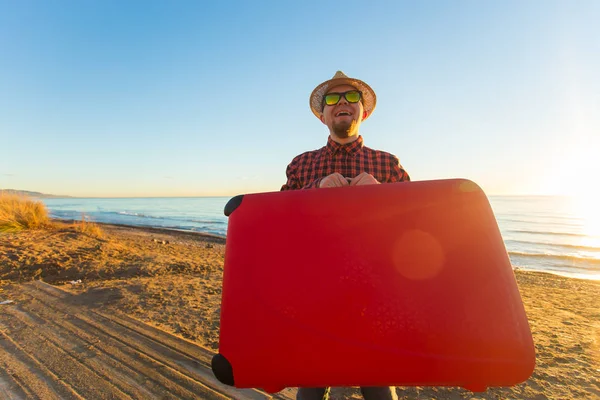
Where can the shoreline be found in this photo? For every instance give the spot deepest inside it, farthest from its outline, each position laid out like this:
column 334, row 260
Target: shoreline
column 157, row 229
column 568, row 275
column 571, row 275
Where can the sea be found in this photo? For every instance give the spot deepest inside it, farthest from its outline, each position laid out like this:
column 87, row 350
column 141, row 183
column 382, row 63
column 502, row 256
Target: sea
column 553, row 234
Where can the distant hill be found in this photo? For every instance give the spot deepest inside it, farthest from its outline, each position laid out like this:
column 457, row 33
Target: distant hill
column 30, row 194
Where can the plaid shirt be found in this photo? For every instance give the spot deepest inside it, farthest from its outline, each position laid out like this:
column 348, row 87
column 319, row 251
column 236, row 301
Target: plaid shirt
column 307, row 169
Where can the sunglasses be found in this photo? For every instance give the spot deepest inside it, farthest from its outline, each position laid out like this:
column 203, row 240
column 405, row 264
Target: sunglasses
column 351, row 96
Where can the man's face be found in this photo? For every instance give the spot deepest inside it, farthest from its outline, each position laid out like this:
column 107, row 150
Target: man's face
column 343, row 119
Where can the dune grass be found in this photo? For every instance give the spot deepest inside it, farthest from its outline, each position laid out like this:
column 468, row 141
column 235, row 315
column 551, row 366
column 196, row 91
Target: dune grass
column 89, row 228
column 20, row 212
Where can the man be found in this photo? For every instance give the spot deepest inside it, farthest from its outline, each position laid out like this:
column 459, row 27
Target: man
column 342, row 103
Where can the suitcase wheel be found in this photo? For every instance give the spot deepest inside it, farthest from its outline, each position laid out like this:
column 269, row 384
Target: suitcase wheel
column 222, row 369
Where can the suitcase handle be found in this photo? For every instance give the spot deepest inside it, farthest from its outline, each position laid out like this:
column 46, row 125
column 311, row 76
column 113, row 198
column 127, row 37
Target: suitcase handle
column 233, row 204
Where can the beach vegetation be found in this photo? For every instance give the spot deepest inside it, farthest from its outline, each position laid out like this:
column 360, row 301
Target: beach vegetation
column 18, row 212
column 89, row 228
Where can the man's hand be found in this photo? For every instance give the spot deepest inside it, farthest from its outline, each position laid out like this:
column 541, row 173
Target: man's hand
column 364, row 179
column 334, row 180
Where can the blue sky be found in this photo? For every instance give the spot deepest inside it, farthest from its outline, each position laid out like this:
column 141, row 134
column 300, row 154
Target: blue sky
column 176, row 98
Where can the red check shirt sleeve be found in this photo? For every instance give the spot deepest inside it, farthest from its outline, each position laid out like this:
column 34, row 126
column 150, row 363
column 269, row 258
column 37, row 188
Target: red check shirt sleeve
column 294, row 173
column 397, row 172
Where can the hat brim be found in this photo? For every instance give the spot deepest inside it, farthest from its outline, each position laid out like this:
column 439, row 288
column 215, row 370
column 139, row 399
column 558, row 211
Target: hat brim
column 369, row 99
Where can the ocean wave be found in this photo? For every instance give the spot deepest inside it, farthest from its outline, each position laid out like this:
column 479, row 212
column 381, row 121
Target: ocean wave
column 204, row 221
column 66, row 205
column 571, row 260
column 573, row 223
column 134, row 214
column 594, row 276
column 175, row 218
column 557, row 245
column 66, row 214
column 574, row 234
column 199, row 221
column 554, row 214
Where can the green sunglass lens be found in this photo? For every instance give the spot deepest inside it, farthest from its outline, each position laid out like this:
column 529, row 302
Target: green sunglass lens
column 331, row 99
column 353, row 97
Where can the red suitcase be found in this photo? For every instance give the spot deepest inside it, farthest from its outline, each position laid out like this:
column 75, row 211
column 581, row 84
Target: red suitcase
column 400, row 284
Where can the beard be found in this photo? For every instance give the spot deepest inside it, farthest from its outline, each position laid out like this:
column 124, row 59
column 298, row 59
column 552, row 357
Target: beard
column 344, row 129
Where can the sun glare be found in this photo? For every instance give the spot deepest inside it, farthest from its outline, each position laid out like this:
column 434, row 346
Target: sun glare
column 587, row 207
column 575, row 174
column 585, row 191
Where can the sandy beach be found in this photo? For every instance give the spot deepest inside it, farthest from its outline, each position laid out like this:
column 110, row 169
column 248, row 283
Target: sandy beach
column 172, row 280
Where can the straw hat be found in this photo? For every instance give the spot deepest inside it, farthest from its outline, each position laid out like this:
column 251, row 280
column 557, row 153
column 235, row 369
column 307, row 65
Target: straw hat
column 368, row 95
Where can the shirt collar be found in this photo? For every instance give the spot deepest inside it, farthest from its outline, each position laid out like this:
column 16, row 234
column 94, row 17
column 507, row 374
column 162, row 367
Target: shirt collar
column 334, row 147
